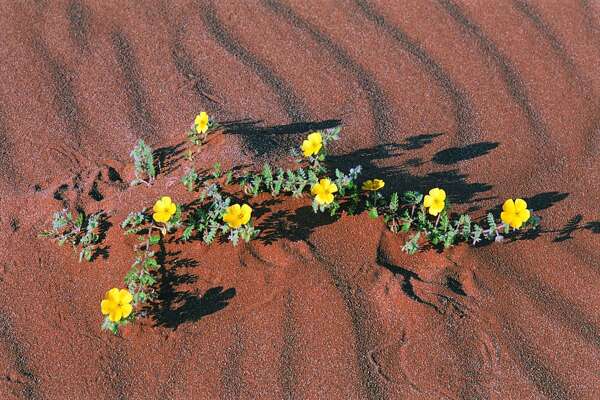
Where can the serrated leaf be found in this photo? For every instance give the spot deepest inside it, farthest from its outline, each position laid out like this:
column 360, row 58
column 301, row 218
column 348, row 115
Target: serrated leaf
column 394, row 203
column 187, row 233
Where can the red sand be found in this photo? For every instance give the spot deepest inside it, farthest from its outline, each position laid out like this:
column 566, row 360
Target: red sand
column 313, row 309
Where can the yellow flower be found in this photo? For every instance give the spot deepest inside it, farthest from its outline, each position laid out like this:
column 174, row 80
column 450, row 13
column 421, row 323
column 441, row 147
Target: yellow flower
column 164, row 209
column 373, row 184
column 515, row 213
column 435, row 201
column 117, row 304
column 323, row 191
column 237, row 215
column 201, row 122
column 312, row 144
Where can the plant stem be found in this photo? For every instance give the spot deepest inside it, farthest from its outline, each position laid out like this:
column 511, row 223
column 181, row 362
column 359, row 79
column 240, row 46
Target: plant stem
column 498, row 228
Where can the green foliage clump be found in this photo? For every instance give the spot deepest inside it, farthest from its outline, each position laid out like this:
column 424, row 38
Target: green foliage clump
column 81, row 232
column 143, row 162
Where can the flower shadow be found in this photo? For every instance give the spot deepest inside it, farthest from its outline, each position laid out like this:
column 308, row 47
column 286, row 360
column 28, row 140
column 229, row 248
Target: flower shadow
column 538, row 202
column 274, row 139
column 400, row 178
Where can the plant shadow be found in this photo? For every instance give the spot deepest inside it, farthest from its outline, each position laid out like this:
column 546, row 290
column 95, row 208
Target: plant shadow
column 400, row 178
column 173, row 306
column 298, row 224
column 456, row 154
column 168, row 158
column 575, row 224
column 103, row 227
column 294, row 226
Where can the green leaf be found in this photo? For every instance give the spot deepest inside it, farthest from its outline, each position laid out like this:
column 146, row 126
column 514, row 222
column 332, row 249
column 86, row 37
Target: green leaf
column 216, row 170
column 267, row 174
column 476, row 233
column 187, row 232
column 406, row 226
column 449, row 239
column 154, row 239
column 412, row 245
column 412, row 197
column 465, row 220
column 80, row 220
column 492, row 226
column 444, row 221
column 394, row 202
column 315, row 206
column 151, row 263
column 256, row 185
column 228, row 177
column 373, row 213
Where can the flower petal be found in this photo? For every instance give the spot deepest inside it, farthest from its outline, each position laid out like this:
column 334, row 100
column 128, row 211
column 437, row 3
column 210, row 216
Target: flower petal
column 509, row 206
column 441, row 195
column 332, row 188
column 433, row 210
column 524, row 215
column 126, row 309
column 246, row 211
column 106, row 306
column 161, row 217
column 315, row 138
column 306, row 148
column 125, row 296
column 112, row 295
column 231, row 220
column 520, row 205
column 428, row 200
column 315, row 189
column 115, row 314
column 438, row 194
column 506, row 217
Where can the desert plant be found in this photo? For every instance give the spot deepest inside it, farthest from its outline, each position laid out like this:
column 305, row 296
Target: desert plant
column 198, row 133
column 81, row 232
column 217, row 216
column 204, row 221
column 117, row 308
column 143, row 162
column 416, row 211
column 425, row 220
column 190, row 180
